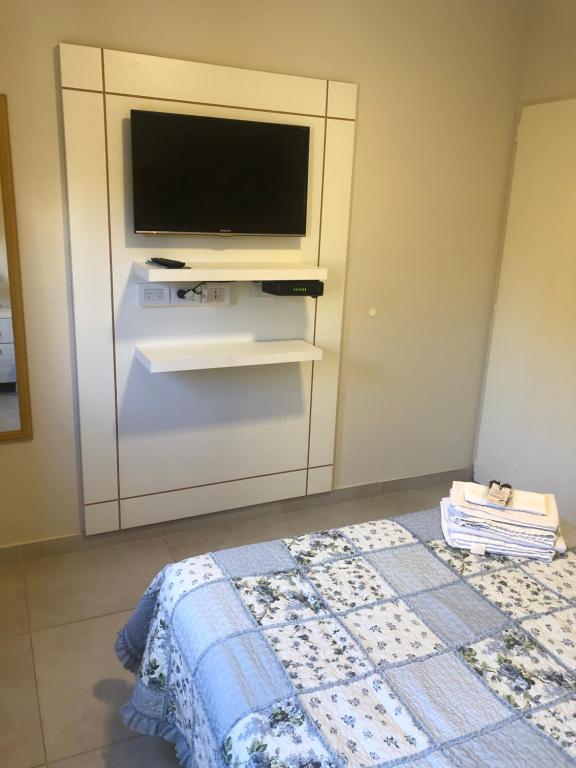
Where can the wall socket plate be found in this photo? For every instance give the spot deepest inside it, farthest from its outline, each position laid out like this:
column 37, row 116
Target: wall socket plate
column 154, row 294
column 194, row 294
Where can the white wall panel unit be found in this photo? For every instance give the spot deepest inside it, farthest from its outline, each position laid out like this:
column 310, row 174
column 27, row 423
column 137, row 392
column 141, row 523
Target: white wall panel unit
column 101, row 518
column 211, row 498
column 342, row 100
column 138, row 75
column 319, row 480
column 88, row 226
column 333, row 251
column 183, row 441
column 81, row 67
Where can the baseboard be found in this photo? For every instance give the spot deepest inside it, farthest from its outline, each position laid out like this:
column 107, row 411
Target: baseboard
column 78, row 542
column 377, row 489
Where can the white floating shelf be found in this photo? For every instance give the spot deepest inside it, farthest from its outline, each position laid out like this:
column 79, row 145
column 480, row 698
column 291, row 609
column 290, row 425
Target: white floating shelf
column 164, row 358
column 227, row 271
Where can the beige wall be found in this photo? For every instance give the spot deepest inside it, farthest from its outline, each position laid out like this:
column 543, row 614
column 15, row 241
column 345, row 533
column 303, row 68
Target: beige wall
column 439, row 83
column 551, row 64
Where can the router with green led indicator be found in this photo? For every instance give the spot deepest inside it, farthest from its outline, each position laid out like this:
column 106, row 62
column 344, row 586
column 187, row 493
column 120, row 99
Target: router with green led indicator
column 313, row 288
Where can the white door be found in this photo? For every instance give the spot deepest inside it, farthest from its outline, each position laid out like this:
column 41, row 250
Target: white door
column 527, row 430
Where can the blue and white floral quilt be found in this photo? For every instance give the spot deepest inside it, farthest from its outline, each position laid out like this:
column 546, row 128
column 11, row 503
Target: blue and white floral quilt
column 365, row 646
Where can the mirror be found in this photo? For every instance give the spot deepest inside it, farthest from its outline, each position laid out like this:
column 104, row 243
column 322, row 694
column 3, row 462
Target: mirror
column 15, row 421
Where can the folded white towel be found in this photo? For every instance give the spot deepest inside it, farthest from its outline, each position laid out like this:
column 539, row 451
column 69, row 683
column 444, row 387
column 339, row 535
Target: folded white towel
column 520, row 501
column 479, row 543
column 485, row 533
column 549, row 521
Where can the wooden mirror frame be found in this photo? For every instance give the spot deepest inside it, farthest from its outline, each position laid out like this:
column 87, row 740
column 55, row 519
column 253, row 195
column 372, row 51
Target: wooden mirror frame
column 15, row 283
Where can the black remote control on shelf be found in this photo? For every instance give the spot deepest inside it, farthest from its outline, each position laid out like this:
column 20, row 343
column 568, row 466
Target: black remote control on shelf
column 167, row 263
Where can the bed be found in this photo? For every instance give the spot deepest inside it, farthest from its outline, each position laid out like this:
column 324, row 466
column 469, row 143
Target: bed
column 364, row 646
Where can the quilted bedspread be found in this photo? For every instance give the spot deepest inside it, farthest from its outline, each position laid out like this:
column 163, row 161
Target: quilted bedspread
column 370, row 645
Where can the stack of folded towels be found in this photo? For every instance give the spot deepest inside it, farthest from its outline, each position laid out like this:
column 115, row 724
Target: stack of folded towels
column 527, row 526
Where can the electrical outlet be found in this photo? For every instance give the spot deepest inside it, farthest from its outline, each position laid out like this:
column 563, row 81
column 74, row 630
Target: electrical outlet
column 188, row 294
column 195, row 294
column 217, row 293
column 154, row 294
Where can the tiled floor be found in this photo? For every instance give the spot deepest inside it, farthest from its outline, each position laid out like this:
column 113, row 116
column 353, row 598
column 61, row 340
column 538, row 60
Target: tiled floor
column 62, row 687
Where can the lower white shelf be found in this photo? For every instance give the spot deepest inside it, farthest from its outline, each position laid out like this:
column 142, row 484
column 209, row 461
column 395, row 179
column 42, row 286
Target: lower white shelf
column 164, row 358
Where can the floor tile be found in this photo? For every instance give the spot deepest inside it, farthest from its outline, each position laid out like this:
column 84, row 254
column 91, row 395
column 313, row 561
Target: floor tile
column 418, row 498
column 81, row 585
column 81, row 685
column 140, row 752
column 64, row 545
column 13, row 613
column 569, row 532
column 229, row 534
column 20, row 731
column 331, row 497
column 374, row 508
column 344, row 513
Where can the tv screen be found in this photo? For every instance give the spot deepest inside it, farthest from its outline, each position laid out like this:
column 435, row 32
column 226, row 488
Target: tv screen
column 209, row 175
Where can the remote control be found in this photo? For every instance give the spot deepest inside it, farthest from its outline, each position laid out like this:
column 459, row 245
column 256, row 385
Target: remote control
column 167, row 263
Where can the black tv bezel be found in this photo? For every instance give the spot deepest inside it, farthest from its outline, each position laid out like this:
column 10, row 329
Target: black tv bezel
column 222, row 232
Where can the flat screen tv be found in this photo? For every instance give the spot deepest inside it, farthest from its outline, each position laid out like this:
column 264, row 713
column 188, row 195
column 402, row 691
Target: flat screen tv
column 209, row 175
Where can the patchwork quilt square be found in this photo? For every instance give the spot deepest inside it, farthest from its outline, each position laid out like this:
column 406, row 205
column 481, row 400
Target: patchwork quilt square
column 316, row 548
column 206, row 615
column 255, row 559
column 425, row 525
column 445, row 696
column 365, row 723
column 247, row 670
column 516, row 593
column 378, row 534
column 411, row 569
column 518, row 670
column 186, row 710
column 187, row 576
column 557, row 633
column 349, row 583
column 559, row 575
column 281, row 736
column 391, row 632
column 558, row 722
column 457, row 613
column 279, row 597
column 515, row 745
column 467, row 564
column 317, row 652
